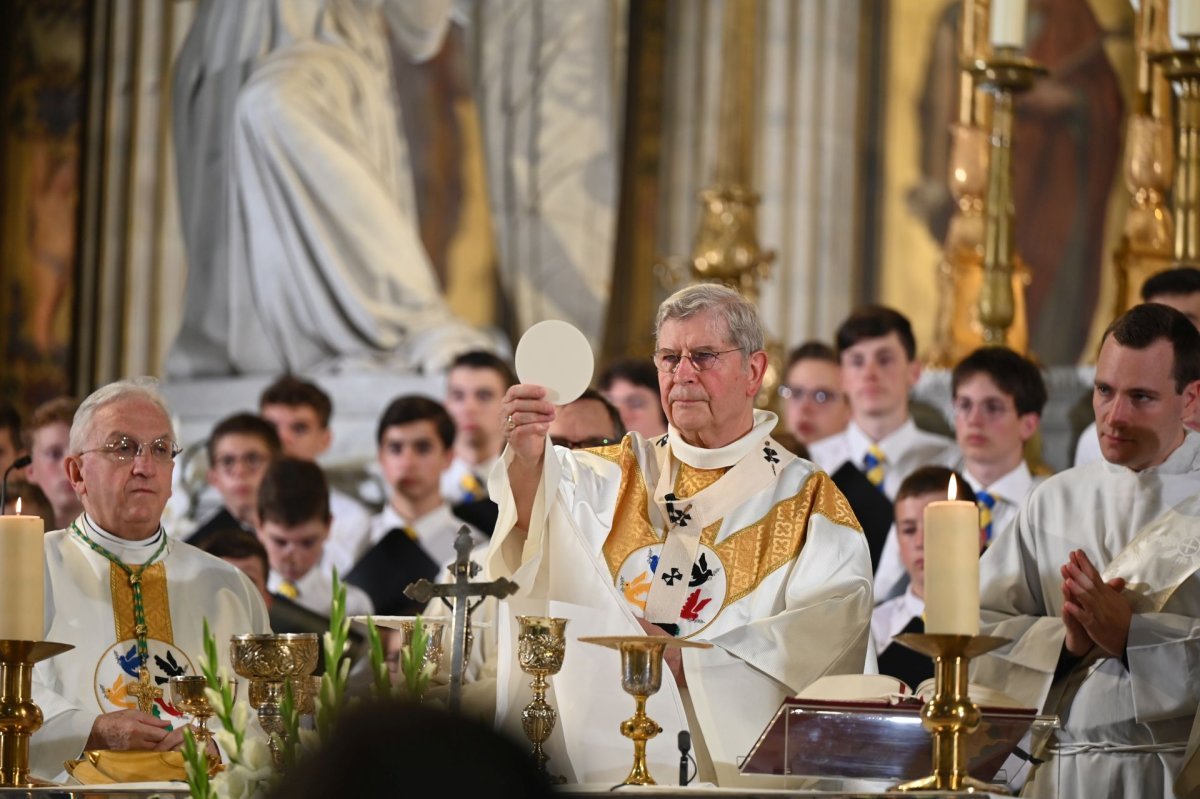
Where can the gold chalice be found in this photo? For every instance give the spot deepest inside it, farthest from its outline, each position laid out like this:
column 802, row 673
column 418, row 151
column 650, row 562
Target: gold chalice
column 641, row 676
column 268, row 661
column 187, row 695
column 541, row 645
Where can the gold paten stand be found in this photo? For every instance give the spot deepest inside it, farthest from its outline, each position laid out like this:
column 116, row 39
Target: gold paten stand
column 950, row 714
column 20, row 717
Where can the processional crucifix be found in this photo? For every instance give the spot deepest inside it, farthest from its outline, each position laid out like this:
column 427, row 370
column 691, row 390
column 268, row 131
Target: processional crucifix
column 460, row 593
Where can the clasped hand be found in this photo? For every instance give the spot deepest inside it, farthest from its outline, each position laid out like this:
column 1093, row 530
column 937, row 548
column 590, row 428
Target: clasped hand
column 1095, row 613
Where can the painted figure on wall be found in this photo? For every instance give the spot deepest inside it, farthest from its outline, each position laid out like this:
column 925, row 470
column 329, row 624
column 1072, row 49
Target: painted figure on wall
column 1066, row 146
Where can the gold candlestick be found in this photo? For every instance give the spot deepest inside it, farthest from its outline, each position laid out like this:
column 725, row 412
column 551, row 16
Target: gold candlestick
column 20, row 717
column 950, row 714
column 1005, row 74
column 1182, row 68
column 641, row 677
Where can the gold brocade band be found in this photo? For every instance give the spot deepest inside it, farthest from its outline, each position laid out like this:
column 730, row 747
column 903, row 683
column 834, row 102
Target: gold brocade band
column 154, row 599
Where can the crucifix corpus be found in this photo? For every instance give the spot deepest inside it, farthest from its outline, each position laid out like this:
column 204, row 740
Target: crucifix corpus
column 460, row 592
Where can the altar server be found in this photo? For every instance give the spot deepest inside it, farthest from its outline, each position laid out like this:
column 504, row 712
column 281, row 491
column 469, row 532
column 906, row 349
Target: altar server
column 711, row 533
column 1096, row 584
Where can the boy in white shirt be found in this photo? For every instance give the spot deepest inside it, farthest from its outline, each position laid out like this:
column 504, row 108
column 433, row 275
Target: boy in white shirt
column 293, row 525
column 998, row 401
column 905, row 613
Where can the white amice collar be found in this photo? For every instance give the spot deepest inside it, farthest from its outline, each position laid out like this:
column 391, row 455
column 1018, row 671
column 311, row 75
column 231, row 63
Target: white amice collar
column 728, row 455
column 133, row 552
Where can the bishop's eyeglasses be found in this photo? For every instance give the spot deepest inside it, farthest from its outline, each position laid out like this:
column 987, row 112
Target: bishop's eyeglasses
column 124, row 449
column 702, row 360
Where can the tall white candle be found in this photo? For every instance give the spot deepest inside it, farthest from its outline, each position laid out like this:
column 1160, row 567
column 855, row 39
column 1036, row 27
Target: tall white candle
column 1008, row 23
column 952, row 566
column 1187, row 17
column 22, row 577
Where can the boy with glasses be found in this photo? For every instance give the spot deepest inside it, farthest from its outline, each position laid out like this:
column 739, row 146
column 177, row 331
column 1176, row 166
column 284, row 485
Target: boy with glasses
column 814, row 406
column 239, row 450
column 998, row 401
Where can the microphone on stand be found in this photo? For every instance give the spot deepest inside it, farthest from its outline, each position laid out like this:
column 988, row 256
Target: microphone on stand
column 19, row 463
column 685, row 745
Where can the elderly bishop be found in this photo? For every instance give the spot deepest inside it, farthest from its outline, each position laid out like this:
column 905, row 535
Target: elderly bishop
column 712, row 532
column 132, row 601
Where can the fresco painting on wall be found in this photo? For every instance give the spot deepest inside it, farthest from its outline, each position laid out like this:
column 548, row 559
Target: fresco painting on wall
column 39, row 171
column 1066, row 151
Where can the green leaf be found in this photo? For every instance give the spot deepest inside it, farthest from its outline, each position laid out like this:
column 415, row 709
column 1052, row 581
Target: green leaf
column 383, row 680
column 196, row 765
column 412, row 661
column 289, row 712
column 337, row 668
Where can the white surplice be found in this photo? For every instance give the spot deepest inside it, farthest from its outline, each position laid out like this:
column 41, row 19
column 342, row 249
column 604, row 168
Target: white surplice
column 1123, row 727
column 784, row 596
column 76, row 686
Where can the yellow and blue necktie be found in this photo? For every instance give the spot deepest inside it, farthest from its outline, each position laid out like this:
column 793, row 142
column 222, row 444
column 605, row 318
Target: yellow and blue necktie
column 873, row 466
column 288, row 589
column 987, row 503
column 472, row 488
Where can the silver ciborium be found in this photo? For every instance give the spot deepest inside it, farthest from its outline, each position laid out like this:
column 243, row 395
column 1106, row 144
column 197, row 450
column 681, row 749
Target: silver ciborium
column 270, row 661
column 541, row 645
column 641, row 677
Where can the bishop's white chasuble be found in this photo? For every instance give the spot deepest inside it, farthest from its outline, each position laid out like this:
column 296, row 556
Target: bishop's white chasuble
column 90, row 603
column 745, row 547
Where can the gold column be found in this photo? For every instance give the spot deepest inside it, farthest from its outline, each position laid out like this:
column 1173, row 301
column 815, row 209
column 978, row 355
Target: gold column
column 1182, row 68
column 1147, row 240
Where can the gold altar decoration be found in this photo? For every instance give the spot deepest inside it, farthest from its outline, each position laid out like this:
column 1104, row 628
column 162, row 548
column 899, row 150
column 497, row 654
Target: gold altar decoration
column 1005, row 73
column 20, row 717
column 541, row 645
column 1182, row 68
column 270, row 661
column 641, row 677
column 950, row 714
column 959, row 327
column 1147, row 238
column 188, row 696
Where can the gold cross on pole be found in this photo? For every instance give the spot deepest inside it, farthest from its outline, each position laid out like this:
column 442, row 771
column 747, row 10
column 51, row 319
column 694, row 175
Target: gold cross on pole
column 145, row 691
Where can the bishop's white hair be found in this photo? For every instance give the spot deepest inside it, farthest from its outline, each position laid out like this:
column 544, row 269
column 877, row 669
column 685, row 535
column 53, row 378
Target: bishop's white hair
column 145, row 388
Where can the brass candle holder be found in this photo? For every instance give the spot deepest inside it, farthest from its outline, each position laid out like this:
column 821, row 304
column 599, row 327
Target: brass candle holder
column 541, row 645
column 20, row 717
column 268, row 662
column 1005, row 74
column 1182, row 68
column 950, row 714
column 641, row 677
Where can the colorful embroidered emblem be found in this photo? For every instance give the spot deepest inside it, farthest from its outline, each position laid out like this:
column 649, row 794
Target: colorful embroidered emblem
column 706, row 581
column 117, row 673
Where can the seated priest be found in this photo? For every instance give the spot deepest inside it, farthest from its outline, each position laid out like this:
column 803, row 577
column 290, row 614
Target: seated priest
column 131, row 600
column 1096, row 583
column 712, row 533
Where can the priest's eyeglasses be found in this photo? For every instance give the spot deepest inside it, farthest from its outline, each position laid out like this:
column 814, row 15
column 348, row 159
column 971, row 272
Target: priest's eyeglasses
column 702, row 360
column 583, row 443
column 124, row 449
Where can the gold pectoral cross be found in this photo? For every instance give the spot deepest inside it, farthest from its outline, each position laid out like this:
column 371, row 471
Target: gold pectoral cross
column 144, row 690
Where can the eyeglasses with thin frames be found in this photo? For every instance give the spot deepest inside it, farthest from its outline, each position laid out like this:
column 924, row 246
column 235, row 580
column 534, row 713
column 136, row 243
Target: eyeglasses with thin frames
column 253, row 461
column 702, row 360
column 124, row 449
column 821, row 396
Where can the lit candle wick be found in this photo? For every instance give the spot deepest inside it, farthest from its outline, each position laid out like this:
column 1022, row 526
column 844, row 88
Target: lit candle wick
column 18, row 506
column 951, row 489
